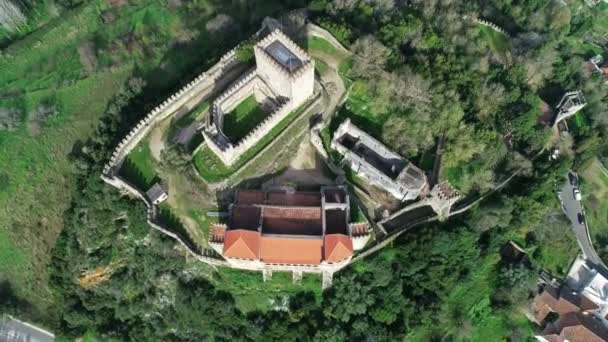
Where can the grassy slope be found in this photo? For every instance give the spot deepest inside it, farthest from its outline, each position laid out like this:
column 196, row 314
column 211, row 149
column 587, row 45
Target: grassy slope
column 40, row 186
column 499, row 42
column 46, row 66
column 251, row 294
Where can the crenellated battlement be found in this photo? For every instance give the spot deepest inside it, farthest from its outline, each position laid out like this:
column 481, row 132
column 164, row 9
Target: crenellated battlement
column 278, row 35
column 205, row 80
column 283, row 87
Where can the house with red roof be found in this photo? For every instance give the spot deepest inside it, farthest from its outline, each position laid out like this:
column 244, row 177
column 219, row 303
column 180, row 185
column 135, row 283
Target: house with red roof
column 290, row 231
column 575, row 309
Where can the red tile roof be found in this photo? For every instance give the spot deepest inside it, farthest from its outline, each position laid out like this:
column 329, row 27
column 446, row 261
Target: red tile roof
column 577, row 327
column 250, row 197
column 295, row 221
column 242, row 244
column 245, row 217
column 289, row 250
column 563, row 302
column 295, row 199
column 337, row 247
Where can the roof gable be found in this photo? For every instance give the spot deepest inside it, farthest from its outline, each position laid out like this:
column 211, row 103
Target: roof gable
column 337, row 247
column 242, row 244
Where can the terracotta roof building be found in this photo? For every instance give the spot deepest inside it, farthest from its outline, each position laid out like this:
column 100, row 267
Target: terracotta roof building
column 575, row 309
column 289, row 230
column 575, row 327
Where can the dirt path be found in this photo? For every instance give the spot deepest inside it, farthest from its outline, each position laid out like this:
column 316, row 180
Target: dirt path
column 331, row 77
column 157, row 143
column 305, row 169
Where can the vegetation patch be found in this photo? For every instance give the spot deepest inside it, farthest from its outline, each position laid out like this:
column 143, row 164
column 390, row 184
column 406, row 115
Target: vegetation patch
column 498, row 41
column 595, row 200
column 251, row 293
column 243, row 119
column 320, row 45
column 138, row 168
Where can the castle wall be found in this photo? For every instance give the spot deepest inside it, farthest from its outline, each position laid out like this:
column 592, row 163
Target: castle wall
column 202, row 86
column 231, row 98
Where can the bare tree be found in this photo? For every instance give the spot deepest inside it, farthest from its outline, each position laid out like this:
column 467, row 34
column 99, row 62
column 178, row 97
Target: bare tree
column 370, row 57
column 340, row 6
column 221, row 23
column 410, row 85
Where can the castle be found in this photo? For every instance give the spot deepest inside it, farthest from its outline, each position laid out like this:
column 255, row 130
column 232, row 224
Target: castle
column 290, row 231
column 281, row 81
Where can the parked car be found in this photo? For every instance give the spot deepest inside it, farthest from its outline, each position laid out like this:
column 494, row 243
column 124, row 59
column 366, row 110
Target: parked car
column 577, row 194
column 581, row 218
column 573, row 178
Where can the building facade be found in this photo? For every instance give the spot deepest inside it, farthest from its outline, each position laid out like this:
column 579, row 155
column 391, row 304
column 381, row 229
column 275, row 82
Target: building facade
column 289, row 231
column 371, row 159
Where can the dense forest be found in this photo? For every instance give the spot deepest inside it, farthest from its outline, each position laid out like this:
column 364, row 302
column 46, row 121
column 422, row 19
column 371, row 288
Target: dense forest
column 427, row 72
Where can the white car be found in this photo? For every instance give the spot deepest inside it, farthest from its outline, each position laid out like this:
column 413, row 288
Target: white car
column 577, row 194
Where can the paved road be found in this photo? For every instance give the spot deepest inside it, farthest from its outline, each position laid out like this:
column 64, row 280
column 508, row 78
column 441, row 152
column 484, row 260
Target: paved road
column 572, row 208
column 14, row 330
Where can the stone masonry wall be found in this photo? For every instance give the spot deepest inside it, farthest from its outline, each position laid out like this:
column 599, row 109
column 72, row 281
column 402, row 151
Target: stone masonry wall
column 119, row 183
column 168, row 107
column 229, row 99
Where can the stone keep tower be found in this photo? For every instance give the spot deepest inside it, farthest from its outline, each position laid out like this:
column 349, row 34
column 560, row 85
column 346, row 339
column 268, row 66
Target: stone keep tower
column 287, row 68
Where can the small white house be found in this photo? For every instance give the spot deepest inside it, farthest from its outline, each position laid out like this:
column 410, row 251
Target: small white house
column 156, row 194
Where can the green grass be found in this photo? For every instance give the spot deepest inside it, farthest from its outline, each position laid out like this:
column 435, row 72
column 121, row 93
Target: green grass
column 39, row 186
column 171, row 221
column 253, row 294
column 212, row 169
column 595, row 199
column 243, row 119
column 139, row 167
column 204, row 222
column 320, row 45
column 321, row 67
column 498, row 41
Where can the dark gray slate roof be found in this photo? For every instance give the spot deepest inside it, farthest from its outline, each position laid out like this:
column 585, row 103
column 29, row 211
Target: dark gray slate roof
column 155, row 192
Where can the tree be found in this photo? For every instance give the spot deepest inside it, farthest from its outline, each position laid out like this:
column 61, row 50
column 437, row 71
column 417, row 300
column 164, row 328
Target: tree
column 221, row 23
column 370, row 57
column 409, row 133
